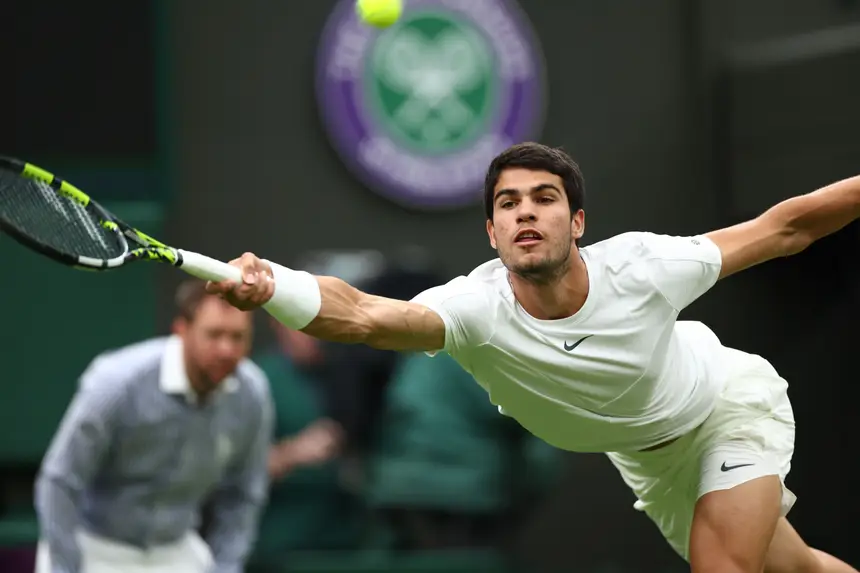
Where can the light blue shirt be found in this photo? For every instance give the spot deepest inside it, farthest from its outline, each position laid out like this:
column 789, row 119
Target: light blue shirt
column 136, row 457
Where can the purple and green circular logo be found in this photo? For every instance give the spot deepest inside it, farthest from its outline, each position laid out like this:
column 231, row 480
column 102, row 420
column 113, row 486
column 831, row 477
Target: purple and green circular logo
column 418, row 110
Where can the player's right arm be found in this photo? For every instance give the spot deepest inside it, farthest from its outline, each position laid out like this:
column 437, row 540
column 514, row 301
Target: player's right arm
column 446, row 317
column 352, row 316
column 72, row 459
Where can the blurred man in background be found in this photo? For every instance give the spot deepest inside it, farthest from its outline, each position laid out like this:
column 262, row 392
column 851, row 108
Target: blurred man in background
column 153, row 431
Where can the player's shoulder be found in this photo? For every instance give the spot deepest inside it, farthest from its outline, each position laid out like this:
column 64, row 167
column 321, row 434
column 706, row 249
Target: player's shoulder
column 489, row 280
column 469, row 305
column 619, row 251
column 637, row 246
column 480, row 285
column 627, row 260
column 115, row 370
column 624, row 244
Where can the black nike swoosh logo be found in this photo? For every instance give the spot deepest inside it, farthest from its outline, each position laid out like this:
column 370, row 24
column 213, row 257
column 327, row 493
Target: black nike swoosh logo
column 726, row 468
column 575, row 344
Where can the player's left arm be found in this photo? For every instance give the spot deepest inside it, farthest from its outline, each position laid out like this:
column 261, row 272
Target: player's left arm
column 240, row 498
column 788, row 227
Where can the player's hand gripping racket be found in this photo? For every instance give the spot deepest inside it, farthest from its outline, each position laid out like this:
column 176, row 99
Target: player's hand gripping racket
column 58, row 220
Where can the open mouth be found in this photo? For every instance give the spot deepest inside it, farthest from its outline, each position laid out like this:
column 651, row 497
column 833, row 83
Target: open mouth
column 527, row 237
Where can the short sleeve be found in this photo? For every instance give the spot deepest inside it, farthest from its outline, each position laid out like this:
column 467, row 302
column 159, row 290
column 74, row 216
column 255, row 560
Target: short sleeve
column 465, row 306
column 682, row 268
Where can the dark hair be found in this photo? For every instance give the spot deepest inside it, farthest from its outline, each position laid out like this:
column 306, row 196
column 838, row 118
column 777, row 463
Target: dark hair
column 189, row 295
column 536, row 157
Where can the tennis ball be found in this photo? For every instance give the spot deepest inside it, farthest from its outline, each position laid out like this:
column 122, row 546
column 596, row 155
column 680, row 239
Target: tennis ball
column 379, row 13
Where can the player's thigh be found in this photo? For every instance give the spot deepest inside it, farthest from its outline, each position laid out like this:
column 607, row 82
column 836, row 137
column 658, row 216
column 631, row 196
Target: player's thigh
column 733, row 528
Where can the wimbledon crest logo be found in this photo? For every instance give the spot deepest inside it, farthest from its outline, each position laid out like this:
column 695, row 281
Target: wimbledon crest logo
column 418, row 110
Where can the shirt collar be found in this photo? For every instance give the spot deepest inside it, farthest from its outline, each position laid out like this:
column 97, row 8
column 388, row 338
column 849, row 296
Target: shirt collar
column 173, row 378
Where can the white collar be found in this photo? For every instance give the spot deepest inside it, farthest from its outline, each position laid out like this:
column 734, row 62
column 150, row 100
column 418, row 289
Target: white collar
column 174, row 378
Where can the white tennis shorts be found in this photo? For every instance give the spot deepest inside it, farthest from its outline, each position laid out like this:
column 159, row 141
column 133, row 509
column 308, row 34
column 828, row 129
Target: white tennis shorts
column 750, row 434
column 100, row 555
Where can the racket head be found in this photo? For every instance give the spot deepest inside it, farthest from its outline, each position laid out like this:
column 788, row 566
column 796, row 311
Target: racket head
column 56, row 219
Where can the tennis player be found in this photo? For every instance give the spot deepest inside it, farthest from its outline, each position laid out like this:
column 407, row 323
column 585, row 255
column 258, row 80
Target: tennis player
column 582, row 346
column 156, row 431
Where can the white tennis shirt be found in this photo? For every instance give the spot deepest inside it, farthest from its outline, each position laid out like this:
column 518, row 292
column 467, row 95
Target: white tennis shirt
column 622, row 374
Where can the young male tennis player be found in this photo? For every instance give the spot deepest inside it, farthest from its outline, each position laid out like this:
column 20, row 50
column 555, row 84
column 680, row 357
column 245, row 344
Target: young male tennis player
column 583, row 347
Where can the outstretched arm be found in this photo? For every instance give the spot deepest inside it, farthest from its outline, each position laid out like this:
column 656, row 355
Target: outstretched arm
column 788, row 227
column 330, row 309
column 349, row 315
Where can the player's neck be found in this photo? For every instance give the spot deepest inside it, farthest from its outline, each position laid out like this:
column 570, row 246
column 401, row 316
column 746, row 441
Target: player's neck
column 556, row 299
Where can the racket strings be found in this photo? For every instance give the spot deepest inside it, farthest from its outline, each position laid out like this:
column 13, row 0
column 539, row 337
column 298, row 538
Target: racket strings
column 36, row 210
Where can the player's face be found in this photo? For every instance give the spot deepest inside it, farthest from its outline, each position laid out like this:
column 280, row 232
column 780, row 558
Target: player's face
column 215, row 341
column 532, row 229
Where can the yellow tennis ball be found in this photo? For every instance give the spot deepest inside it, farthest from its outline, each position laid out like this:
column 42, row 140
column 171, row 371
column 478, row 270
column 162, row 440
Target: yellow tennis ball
column 379, row 13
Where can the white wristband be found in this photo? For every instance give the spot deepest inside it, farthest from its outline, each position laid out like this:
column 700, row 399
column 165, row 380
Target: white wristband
column 297, row 299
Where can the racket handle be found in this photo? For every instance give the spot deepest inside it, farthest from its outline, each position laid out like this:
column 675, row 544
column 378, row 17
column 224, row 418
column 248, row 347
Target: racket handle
column 209, row 269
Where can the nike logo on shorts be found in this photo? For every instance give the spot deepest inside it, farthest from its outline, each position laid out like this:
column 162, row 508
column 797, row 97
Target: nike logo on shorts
column 726, row 468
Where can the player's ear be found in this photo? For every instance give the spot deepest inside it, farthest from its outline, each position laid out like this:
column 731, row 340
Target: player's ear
column 577, row 225
column 491, row 233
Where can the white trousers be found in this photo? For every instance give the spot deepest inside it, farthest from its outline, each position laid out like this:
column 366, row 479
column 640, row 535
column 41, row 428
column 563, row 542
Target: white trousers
column 100, row 555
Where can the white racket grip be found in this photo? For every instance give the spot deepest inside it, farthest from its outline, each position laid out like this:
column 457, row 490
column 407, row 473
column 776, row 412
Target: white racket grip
column 209, row 269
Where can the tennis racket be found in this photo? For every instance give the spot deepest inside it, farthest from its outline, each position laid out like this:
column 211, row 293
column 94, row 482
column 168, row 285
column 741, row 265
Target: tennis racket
column 54, row 218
